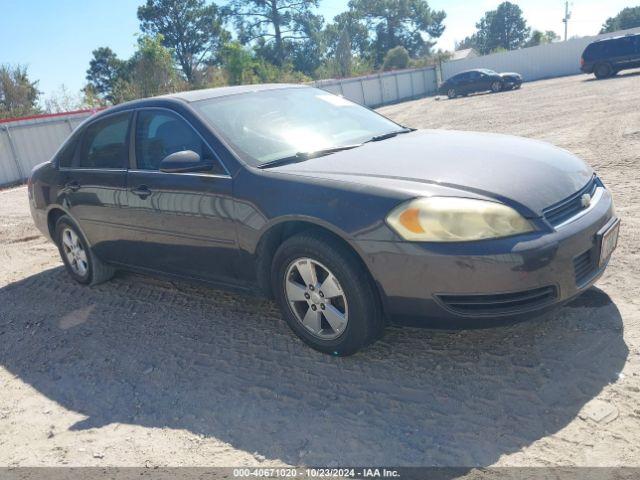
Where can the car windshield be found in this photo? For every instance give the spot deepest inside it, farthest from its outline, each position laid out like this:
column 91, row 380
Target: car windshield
column 488, row 72
column 268, row 125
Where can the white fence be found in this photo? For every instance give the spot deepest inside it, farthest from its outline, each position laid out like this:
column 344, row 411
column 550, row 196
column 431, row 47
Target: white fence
column 384, row 88
column 27, row 142
column 544, row 61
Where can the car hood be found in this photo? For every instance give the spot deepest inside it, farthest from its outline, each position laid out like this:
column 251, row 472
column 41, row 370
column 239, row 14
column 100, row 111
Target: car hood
column 530, row 173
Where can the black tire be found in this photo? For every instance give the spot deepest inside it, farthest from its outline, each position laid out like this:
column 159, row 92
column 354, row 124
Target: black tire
column 452, row 93
column 603, row 70
column 97, row 271
column 365, row 319
column 497, row 86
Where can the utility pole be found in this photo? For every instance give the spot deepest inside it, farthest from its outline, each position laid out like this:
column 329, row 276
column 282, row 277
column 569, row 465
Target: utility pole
column 567, row 16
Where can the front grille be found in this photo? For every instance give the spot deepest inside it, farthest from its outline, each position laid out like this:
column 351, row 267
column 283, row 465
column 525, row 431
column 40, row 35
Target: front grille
column 569, row 207
column 584, row 267
column 500, row 303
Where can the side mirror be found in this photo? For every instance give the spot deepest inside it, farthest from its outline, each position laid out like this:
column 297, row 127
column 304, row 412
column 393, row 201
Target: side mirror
column 184, row 161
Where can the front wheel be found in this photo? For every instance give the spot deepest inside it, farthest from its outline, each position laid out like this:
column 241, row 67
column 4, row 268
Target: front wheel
column 325, row 294
column 78, row 258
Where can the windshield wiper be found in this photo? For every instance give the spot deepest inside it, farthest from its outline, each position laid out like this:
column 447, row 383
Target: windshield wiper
column 302, row 156
column 385, row 136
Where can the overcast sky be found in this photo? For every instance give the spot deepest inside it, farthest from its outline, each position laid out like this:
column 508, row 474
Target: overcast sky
column 55, row 38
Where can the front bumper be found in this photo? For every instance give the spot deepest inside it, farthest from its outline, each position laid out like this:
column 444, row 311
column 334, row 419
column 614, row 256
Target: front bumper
column 512, row 82
column 419, row 280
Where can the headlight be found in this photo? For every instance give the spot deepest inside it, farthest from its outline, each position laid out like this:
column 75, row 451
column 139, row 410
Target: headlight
column 452, row 219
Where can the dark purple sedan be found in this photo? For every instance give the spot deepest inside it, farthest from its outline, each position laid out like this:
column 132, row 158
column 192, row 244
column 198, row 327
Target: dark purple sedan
column 349, row 220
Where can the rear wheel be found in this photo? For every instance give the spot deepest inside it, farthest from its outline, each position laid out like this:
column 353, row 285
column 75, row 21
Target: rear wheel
column 78, row 258
column 451, row 93
column 602, row 70
column 496, row 86
column 325, row 294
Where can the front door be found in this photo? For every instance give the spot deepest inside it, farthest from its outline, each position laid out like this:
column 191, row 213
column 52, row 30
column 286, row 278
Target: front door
column 484, row 81
column 180, row 223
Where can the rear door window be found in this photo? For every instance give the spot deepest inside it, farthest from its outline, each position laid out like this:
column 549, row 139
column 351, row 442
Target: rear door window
column 597, row 50
column 66, row 156
column 105, row 143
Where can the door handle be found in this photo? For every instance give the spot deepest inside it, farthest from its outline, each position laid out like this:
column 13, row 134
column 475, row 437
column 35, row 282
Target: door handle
column 142, row 191
column 73, row 185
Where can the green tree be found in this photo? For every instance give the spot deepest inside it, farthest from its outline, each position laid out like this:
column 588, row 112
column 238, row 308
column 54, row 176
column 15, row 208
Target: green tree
column 238, row 63
column 503, row 28
column 152, row 69
column 468, row 42
column 627, row 18
column 399, row 23
column 395, row 59
column 343, row 54
column 18, row 94
column 307, row 53
column 272, row 24
column 106, row 71
column 192, row 30
column 539, row 38
column 347, row 30
column 63, row 100
column 268, row 73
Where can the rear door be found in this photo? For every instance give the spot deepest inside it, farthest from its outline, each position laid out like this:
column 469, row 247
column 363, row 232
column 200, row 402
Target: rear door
column 93, row 181
column 179, row 223
column 462, row 84
column 622, row 53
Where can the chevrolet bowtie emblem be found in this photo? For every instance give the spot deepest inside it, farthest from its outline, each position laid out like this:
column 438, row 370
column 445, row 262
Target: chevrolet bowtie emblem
column 585, row 200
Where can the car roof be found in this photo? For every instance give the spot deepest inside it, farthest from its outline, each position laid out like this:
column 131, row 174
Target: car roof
column 190, row 96
column 207, row 93
column 610, row 39
column 475, row 70
column 193, row 96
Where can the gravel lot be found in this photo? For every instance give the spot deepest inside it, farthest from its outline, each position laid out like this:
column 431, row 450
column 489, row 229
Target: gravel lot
column 142, row 371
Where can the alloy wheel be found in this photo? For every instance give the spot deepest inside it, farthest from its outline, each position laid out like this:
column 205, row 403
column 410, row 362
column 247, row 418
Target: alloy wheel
column 316, row 298
column 75, row 253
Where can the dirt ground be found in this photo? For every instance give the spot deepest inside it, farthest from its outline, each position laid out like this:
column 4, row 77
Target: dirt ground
column 143, row 371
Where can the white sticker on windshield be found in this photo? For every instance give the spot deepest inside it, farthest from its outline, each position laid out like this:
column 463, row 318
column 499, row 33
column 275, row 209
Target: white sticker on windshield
column 335, row 100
